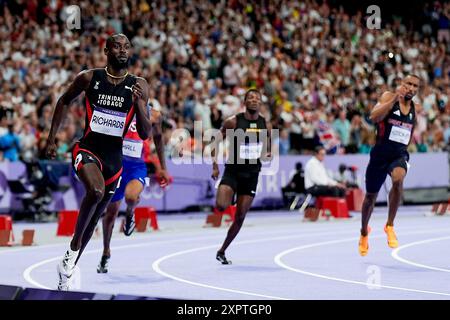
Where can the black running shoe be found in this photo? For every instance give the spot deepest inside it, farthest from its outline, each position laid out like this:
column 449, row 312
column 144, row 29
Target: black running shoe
column 221, row 257
column 129, row 225
column 103, row 265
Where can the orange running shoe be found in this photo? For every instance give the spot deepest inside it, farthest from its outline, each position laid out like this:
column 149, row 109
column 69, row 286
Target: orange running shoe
column 391, row 237
column 364, row 243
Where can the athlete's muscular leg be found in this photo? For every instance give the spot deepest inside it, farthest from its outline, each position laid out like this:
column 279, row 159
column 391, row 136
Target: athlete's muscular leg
column 132, row 192
column 366, row 211
column 395, row 195
column 101, row 206
column 224, row 197
column 108, row 225
column 244, row 203
column 94, row 184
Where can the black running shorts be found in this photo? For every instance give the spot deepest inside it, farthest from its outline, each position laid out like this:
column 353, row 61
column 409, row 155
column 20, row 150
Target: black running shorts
column 380, row 166
column 242, row 183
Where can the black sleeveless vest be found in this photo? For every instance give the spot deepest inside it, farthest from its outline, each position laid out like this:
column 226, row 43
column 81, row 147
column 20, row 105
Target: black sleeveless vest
column 246, row 145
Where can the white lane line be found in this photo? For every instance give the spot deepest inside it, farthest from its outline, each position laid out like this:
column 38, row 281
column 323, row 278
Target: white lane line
column 27, row 273
column 278, row 261
column 152, row 235
column 156, row 267
column 395, row 254
column 339, row 224
column 29, row 279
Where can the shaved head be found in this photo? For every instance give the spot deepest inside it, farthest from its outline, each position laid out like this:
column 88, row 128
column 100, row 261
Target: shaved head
column 115, row 38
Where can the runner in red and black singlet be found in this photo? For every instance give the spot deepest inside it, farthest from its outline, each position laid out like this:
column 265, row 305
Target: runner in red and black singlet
column 113, row 97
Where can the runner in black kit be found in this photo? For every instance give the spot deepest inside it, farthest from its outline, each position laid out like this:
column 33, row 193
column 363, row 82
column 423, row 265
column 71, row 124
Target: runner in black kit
column 113, row 97
column 395, row 116
column 243, row 165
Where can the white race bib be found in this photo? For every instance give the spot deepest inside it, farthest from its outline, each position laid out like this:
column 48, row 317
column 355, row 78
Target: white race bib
column 111, row 123
column 400, row 134
column 132, row 148
column 251, row 150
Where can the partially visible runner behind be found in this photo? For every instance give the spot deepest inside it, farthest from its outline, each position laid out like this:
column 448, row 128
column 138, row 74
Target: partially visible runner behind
column 132, row 182
column 395, row 118
column 250, row 134
column 113, row 98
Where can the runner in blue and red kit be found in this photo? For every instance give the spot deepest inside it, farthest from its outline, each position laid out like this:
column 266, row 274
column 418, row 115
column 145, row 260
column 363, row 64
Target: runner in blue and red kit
column 395, row 117
column 132, row 181
column 113, row 97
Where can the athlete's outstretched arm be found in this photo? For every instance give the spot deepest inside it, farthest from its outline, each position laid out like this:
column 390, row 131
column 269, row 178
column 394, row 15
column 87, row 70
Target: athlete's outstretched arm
column 143, row 123
column 159, row 145
column 229, row 123
column 80, row 84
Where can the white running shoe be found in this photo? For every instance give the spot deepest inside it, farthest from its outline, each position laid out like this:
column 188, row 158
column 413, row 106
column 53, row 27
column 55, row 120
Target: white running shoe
column 65, row 270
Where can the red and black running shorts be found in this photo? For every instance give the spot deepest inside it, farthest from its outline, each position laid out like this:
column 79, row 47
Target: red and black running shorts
column 110, row 165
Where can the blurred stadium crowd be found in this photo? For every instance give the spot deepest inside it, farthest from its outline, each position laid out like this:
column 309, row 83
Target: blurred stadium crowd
column 319, row 67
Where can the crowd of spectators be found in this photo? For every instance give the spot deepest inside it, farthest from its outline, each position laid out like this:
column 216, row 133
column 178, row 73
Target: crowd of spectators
column 319, row 68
